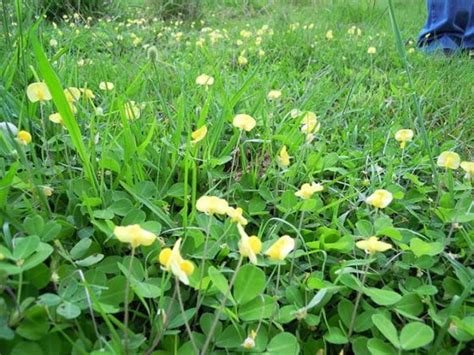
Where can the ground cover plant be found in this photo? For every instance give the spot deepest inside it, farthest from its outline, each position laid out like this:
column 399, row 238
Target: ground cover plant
column 277, row 178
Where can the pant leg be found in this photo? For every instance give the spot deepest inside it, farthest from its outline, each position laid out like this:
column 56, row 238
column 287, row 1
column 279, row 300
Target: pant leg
column 468, row 41
column 446, row 24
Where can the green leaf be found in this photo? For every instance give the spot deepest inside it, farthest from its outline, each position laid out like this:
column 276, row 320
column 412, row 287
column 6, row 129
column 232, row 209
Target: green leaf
column 49, row 299
column 219, row 281
column 364, row 228
column 34, row 324
column 181, row 318
column 420, row 247
column 80, row 249
column 26, row 347
column 382, row 297
column 43, row 251
column 260, row 308
column 335, row 336
column 26, row 246
column 283, row 343
column 378, row 347
column 68, row 310
column 410, row 305
column 249, row 283
column 415, row 335
column 145, row 289
column 57, row 92
column 90, row 260
column 386, row 327
column 231, row 337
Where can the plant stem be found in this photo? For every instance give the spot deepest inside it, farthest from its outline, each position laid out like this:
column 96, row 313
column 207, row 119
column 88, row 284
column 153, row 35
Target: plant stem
column 218, row 310
column 206, row 242
column 300, row 225
column 357, row 301
column 125, row 317
column 186, row 323
column 420, row 122
column 234, row 152
column 158, row 336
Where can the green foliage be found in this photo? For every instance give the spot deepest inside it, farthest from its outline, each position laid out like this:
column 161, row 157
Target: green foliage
column 172, row 9
column 55, row 9
column 71, row 283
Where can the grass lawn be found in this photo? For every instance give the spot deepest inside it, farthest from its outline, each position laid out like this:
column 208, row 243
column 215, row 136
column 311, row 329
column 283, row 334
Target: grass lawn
column 234, row 184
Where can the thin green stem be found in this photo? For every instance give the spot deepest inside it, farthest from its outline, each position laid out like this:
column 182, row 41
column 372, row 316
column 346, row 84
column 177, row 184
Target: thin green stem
column 221, row 306
column 125, row 317
column 203, row 260
column 186, row 323
column 357, row 301
column 419, row 122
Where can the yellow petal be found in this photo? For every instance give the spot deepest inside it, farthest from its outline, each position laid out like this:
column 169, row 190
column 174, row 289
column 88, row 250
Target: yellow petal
column 105, row 85
column 283, row 157
column 212, row 205
column 24, row 137
column 134, row 235
column 244, row 122
column 72, row 94
column 373, row 245
column 187, row 267
column 274, row 94
column 380, row 198
column 204, row 80
column 56, row 118
column 164, row 257
column 281, row 248
column 236, row 215
column 38, row 92
column 199, row 134
column 449, row 160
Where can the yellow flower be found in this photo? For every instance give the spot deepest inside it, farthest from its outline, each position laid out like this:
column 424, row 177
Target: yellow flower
column 212, row 205
column 48, row 191
column 307, row 190
column 172, row 260
column 373, row 245
column 371, row 50
column 249, row 342
column 53, row 42
column 236, row 215
column 199, row 134
column 274, row 95
column 329, row 35
column 204, row 80
column 106, row 86
column 134, row 235
column 245, row 122
column 38, row 92
column 294, row 113
column 242, row 60
column 132, row 111
column 249, row 246
column 88, row 93
column 380, row 198
column 468, row 167
column 245, row 33
column 281, row 248
column 283, row 157
column 24, row 137
column 449, row 160
column 56, row 118
column 403, row 136
column 72, row 94
column 309, row 123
